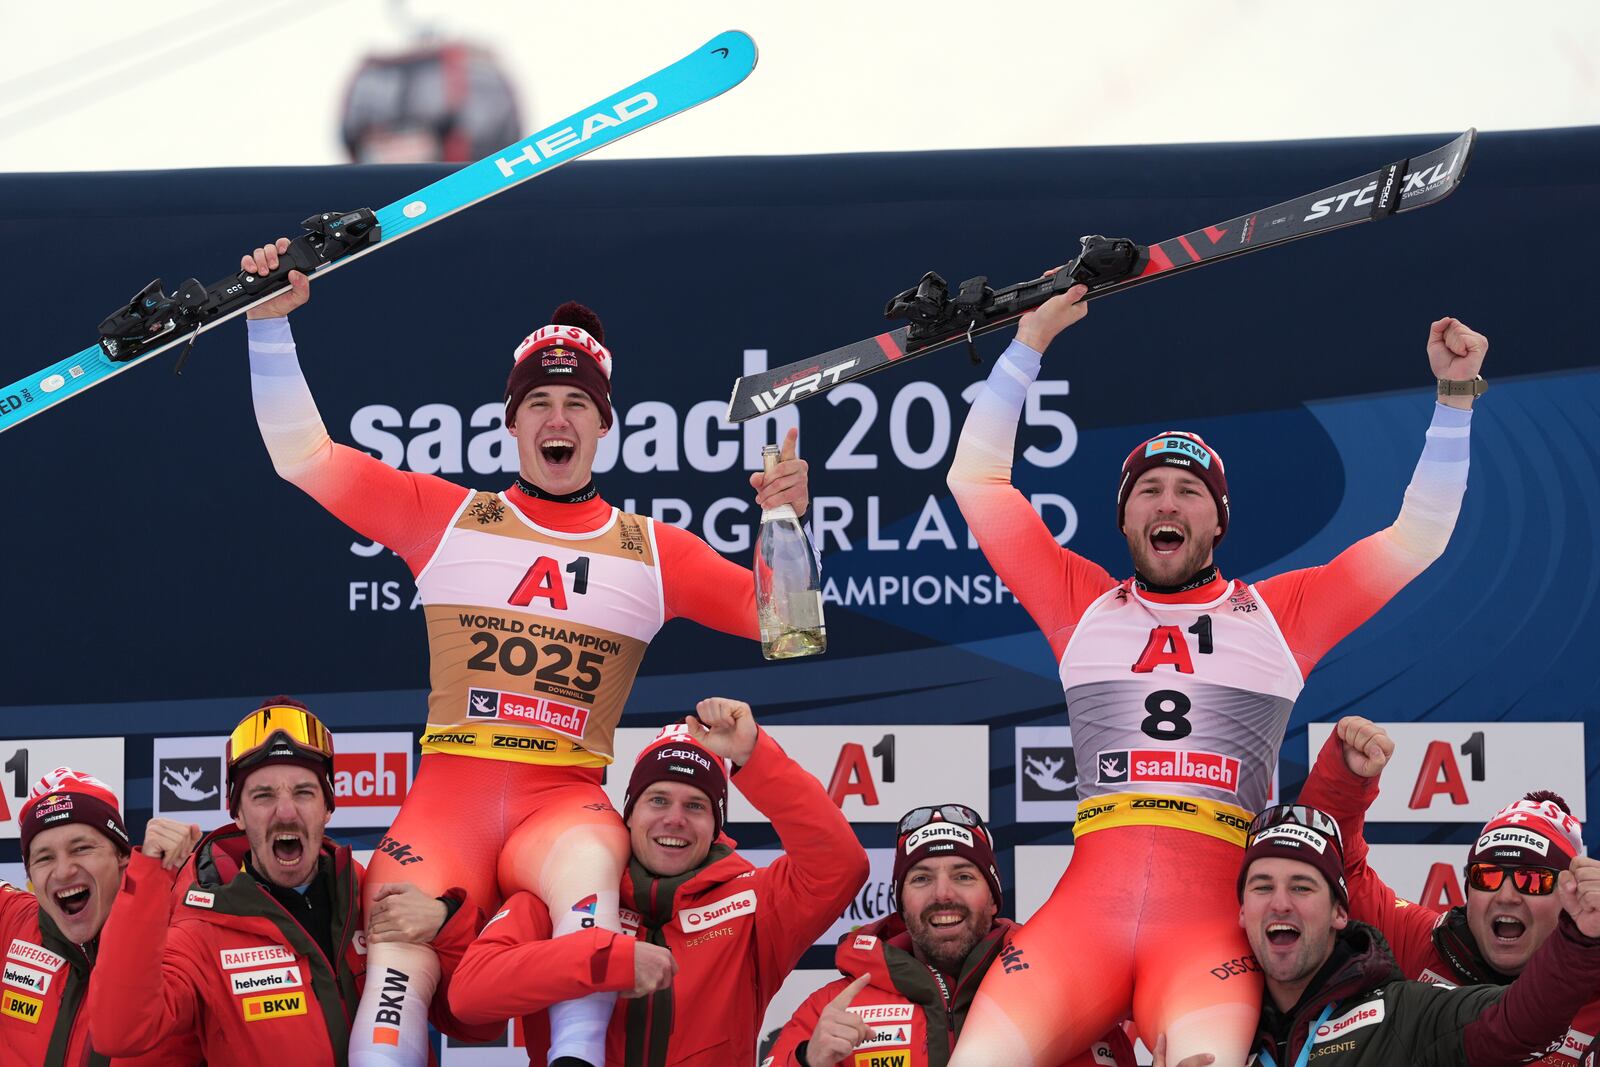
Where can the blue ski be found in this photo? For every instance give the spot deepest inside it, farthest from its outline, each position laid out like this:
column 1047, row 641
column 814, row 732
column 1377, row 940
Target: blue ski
column 154, row 321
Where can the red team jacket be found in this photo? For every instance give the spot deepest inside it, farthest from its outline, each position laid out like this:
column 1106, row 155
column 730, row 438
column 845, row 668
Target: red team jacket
column 224, row 959
column 1417, row 933
column 42, row 994
column 915, row 1014
column 736, row 932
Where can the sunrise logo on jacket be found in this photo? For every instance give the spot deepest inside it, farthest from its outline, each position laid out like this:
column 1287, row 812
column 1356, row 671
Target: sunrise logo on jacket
column 734, row 907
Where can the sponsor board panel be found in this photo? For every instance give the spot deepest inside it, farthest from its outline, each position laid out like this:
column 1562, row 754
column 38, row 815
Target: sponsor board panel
column 875, row 773
column 372, row 772
column 15, row 873
column 1037, row 869
column 1424, row 874
column 24, row 762
column 188, row 780
column 1467, row 771
column 872, row 901
column 1047, row 774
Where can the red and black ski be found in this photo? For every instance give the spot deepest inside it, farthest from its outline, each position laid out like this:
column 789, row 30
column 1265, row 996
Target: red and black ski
column 1105, row 266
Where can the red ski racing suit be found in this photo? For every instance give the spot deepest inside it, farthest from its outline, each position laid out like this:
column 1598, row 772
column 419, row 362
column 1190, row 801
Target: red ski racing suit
column 1178, row 703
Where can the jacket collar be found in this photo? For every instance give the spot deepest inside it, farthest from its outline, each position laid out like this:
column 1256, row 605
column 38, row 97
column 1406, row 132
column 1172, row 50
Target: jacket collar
column 1454, row 941
column 1360, row 960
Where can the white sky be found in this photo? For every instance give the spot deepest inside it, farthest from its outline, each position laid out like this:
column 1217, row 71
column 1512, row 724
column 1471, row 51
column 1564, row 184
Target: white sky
column 222, row 83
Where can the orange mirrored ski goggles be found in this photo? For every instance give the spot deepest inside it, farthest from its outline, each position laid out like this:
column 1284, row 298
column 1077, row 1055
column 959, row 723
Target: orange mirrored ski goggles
column 301, row 728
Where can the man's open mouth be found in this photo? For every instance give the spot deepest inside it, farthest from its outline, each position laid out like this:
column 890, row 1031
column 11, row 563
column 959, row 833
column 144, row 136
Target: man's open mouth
column 1507, row 931
column 1281, row 935
column 288, row 849
column 1167, row 539
column 73, row 899
column 558, row 451
column 945, row 918
column 672, row 842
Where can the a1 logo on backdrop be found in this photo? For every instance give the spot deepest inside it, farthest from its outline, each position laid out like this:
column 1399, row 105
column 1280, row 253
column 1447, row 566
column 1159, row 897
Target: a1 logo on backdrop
column 874, row 773
column 23, row 762
column 1465, row 772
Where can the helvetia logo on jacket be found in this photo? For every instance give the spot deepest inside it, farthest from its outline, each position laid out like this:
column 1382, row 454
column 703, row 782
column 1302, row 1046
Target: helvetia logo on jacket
column 273, row 1006
column 694, row 920
column 26, row 978
column 586, row 907
column 265, row 979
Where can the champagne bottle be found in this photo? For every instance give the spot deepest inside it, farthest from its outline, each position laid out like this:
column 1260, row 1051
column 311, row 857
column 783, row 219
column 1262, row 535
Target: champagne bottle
column 788, row 582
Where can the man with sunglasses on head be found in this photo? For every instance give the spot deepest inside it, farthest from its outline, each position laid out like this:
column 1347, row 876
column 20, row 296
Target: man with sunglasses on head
column 1179, row 685
column 1511, row 873
column 909, row 978
column 1334, row 993
column 707, row 938
column 254, row 938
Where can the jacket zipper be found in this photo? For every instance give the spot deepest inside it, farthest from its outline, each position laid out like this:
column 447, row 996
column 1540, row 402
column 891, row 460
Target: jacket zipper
column 949, row 1017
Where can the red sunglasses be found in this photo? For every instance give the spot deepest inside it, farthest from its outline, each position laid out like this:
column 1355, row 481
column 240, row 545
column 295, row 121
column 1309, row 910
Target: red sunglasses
column 1530, row 881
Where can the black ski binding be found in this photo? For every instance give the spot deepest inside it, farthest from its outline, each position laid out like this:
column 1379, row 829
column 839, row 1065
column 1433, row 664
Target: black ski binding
column 937, row 316
column 152, row 314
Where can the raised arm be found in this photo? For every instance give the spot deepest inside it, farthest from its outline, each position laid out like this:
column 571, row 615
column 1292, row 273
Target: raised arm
column 403, row 510
column 1560, row 978
column 1344, row 782
column 146, row 976
column 804, row 890
column 1318, row 606
column 1053, row 584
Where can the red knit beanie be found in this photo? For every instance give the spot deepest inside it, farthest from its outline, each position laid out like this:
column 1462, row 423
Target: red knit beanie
column 67, row 796
column 1536, row 831
column 675, row 756
column 1185, row 451
column 569, row 351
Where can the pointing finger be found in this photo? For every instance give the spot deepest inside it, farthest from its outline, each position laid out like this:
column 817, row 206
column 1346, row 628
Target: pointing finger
column 849, row 992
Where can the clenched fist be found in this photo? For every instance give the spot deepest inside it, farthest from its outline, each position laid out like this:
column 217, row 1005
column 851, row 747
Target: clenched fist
column 726, row 727
column 1367, row 746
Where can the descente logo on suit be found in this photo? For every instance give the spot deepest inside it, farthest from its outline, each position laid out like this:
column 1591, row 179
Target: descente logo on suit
column 740, row 904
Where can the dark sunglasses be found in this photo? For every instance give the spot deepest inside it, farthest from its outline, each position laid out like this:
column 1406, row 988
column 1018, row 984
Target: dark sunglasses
column 1530, row 881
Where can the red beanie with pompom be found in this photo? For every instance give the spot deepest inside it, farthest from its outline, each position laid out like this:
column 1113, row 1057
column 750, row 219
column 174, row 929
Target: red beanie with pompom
column 569, row 351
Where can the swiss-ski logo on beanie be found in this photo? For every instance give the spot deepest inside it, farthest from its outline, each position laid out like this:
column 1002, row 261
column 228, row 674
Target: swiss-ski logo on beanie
column 1185, row 451
column 675, row 756
column 1535, row 831
column 940, row 838
column 569, row 351
column 64, row 796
